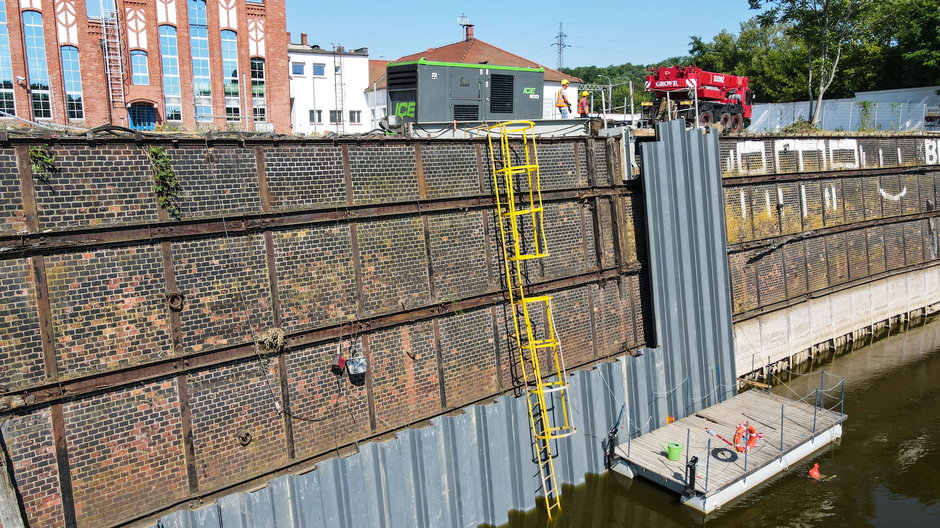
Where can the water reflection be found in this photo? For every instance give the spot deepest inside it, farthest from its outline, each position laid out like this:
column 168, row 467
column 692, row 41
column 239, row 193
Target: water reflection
column 887, row 468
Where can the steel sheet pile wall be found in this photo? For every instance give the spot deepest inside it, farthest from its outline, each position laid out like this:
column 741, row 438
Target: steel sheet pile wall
column 806, row 216
column 460, row 470
column 127, row 336
column 692, row 366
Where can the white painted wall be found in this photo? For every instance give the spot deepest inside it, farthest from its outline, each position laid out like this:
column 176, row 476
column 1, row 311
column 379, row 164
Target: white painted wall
column 377, row 100
column 318, row 92
column 548, row 100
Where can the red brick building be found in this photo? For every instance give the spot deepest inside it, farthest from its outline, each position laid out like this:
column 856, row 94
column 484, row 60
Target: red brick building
column 213, row 64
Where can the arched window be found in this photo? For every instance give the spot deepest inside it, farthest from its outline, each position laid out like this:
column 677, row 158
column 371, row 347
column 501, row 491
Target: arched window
column 259, row 106
column 6, row 65
column 172, row 100
column 72, row 80
column 36, row 65
column 230, row 75
column 140, row 71
column 199, row 44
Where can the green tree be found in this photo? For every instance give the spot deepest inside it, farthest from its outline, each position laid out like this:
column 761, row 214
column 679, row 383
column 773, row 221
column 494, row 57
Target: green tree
column 764, row 53
column 825, row 28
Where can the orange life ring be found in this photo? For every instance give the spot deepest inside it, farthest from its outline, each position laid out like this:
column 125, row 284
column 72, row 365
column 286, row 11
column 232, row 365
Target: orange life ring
column 739, row 443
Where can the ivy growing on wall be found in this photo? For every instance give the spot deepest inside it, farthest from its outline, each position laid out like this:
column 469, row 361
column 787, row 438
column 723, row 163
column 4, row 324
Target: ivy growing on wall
column 42, row 162
column 165, row 185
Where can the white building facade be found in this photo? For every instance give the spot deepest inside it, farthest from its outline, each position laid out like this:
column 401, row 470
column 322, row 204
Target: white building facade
column 326, row 89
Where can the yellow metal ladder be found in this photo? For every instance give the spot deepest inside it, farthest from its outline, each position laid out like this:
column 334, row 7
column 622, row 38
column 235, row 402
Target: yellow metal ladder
column 519, row 208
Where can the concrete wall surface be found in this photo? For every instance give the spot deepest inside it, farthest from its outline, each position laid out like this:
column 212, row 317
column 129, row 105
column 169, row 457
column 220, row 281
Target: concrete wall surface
column 775, row 336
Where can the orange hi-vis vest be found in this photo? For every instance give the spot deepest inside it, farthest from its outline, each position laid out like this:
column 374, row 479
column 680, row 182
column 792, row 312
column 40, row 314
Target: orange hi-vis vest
column 561, row 100
column 583, row 105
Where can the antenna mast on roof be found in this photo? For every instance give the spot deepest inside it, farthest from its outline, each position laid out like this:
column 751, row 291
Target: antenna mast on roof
column 464, row 22
column 560, row 42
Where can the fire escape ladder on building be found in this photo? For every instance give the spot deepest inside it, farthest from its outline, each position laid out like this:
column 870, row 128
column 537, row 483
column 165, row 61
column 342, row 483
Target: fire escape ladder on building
column 113, row 53
column 520, row 213
column 339, row 88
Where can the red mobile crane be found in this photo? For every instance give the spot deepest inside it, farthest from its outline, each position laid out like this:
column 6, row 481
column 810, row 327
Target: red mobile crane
column 723, row 99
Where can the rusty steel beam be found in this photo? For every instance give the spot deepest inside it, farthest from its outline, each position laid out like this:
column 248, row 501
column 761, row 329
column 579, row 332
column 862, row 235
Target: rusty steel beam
column 44, row 313
column 186, row 426
column 439, row 358
column 14, row 246
column 95, row 383
column 419, row 173
column 27, row 190
column 63, row 467
column 729, row 181
column 756, row 312
column 263, row 190
column 776, row 242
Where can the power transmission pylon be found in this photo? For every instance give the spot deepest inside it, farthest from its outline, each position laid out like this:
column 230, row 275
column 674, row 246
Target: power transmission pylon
column 560, row 42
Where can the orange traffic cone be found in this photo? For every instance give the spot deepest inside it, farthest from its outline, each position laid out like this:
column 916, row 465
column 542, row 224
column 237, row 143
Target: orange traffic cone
column 814, row 472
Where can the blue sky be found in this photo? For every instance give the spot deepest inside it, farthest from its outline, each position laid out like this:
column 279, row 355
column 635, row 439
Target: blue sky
column 600, row 33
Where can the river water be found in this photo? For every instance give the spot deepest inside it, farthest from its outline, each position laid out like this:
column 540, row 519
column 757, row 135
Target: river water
column 887, row 466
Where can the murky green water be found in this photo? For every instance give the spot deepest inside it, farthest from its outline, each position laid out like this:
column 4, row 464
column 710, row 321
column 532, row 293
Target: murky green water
column 887, row 466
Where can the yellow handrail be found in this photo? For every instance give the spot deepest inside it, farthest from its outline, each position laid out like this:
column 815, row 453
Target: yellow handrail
column 521, row 225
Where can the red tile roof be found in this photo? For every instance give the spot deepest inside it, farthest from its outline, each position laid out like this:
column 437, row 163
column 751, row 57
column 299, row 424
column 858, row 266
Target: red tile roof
column 470, row 51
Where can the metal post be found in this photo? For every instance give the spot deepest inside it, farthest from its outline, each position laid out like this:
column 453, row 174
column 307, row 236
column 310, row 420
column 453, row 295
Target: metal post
column 688, row 441
column 842, row 399
column 781, row 427
column 815, row 409
column 746, row 450
column 695, row 91
column 708, row 460
column 604, row 108
column 633, row 120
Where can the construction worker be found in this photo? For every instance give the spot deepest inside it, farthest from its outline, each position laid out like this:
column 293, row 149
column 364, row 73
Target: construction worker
column 561, row 100
column 584, row 106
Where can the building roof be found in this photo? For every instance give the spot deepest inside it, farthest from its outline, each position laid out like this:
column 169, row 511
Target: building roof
column 314, row 49
column 469, row 51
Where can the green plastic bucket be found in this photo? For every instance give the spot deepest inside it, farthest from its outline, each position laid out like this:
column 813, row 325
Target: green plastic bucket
column 673, row 451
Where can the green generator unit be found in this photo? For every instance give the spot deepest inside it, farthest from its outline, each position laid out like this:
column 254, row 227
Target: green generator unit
column 425, row 91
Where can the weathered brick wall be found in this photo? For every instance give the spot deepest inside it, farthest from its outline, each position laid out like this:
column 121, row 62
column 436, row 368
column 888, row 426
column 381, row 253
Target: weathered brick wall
column 869, row 209
column 386, row 249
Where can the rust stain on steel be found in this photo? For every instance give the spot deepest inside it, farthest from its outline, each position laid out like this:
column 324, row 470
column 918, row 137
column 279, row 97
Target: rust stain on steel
column 53, row 392
column 186, row 424
column 370, row 367
column 62, row 464
column 176, row 324
column 25, row 171
column 262, row 180
column 500, row 382
column 616, row 214
column 578, row 170
column 426, row 231
column 272, row 277
column 50, row 362
column 357, row 266
column 599, row 233
column 591, row 308
column 487, row 247
column 482, row 173
column 590, row 160
column 776, row 242
column 729, row 181
column 419, row 173
column 34, row 243
column 436, row 326
column 286, row 407
column 347, row 174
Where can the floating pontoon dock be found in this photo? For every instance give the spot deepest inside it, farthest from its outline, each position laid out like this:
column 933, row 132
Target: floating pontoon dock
column 791, row 430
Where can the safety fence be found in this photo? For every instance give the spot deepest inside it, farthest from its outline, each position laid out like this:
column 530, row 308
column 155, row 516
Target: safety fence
column 842, row 115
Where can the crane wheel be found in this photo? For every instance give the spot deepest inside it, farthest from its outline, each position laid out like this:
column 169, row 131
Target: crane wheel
column 725, row 121
column 737, row 123
column 706, row 118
